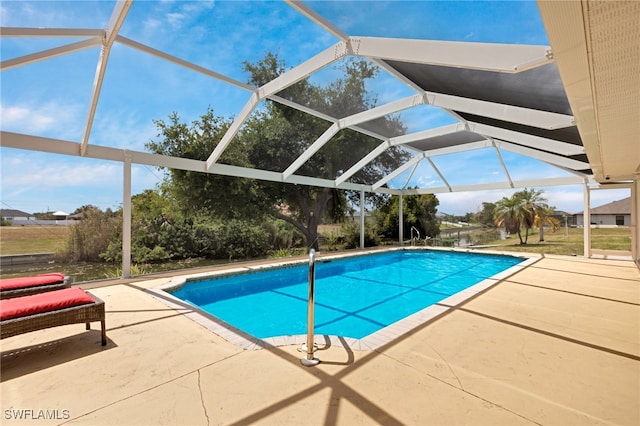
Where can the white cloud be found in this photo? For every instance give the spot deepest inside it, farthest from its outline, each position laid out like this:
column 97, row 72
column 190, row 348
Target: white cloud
column 36, row 182
column 22, row 117
column 122, row 129
column 51, row 118
column 37, row 174
column 175, row 20
column 151, row 24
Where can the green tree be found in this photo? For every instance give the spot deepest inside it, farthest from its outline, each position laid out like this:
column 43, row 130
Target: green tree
column 272, row 139
column 90, row 237
column 544, row 217
column 417, row 210
column 280, row 134
column 532, row 203
column 508, row 213
column 520, row 211
column 215, row 195
column 485, row 215
column 85, row 208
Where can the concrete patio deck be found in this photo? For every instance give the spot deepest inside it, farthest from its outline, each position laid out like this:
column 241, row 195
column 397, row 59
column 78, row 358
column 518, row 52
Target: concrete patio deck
column 556, row 344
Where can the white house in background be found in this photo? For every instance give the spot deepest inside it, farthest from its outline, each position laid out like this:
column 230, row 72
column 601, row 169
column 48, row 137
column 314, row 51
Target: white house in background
column 60, row 215
column 16, row 215
column 612, row 214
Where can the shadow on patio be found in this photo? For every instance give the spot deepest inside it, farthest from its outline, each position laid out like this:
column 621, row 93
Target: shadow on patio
column 557, row 343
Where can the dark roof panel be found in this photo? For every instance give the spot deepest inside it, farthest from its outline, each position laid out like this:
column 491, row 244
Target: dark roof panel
column 567, row 134
column 538, row 88
column 445, row 141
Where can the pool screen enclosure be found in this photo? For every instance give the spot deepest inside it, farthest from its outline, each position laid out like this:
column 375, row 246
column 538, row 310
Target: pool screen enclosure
column 502, row 100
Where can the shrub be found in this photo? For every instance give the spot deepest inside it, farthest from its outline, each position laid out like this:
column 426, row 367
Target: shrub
column 282, row 235
column 92, row 236
column 351, row 233
column 335, row 241
column 484, row 235
column 237, row 239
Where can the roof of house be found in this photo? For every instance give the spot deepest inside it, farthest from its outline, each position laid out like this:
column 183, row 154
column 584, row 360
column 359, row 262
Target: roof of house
column 616, row 207
column 14, row 213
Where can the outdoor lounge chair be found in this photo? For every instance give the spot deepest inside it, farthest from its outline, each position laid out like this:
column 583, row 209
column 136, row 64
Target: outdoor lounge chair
column 51, row 309
column 26, row 286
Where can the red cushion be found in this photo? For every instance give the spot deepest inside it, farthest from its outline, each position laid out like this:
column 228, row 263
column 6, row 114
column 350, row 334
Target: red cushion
column 23, row 282
column 43, row 302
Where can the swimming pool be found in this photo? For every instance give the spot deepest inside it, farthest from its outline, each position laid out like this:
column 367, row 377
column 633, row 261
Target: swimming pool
column 355, row 296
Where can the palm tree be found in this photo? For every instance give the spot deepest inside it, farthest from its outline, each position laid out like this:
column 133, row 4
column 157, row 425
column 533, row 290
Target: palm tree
column 508, row 213
column 531, row 204
column 520, row 211
column 543, row 217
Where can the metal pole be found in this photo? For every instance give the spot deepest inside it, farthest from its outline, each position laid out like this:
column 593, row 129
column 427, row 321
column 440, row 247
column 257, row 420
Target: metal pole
column 400, row 221
column 362, row 212
column 309, row 360
column 587, row 222
column 126, row 215
column 635, row 221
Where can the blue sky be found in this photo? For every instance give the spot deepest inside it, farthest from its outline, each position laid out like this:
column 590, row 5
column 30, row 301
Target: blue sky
column 51, row 98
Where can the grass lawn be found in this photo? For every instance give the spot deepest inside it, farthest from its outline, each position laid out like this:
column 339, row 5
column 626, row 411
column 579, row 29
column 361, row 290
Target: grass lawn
column 50, row 239
column 567, row 241
column 32, row 239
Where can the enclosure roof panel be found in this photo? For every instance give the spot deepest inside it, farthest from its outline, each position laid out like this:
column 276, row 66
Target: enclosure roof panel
column 574, row 104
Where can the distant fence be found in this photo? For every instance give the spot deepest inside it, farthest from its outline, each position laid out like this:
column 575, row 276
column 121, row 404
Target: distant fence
column 38, row 222
column 25, row 259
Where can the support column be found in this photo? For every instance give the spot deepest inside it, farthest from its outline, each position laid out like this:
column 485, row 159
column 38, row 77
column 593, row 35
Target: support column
column 635, row 216
column 587, row 221
column 126, row 216
column 400, row 221
column 362, row 212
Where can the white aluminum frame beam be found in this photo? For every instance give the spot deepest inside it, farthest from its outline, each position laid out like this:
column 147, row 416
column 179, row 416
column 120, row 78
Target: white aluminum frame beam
column 58, row 146
column 289, row 78
column 118, row 16
column 556, row 160
column 233, row 130
column 470, row 146
column 427, row 134
column 413, row 161
column 504, row 166
column 560, row 181
column 433, row 153
column 437, row 170
column 50, row 32
column 127, row 209
column 507, row 58
column 363, row 162
column 352, row 120
column 514, row 114
column 49, row 53
column 323, row 116
column 537, row 142
column 406, row 182
column 178, row 61
column 303, row 9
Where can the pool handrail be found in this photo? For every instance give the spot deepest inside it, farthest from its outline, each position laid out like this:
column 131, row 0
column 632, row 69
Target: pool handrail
column 413, row 228
column 310, row 360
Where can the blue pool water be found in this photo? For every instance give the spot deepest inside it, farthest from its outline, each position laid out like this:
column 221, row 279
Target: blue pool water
column 355, row 296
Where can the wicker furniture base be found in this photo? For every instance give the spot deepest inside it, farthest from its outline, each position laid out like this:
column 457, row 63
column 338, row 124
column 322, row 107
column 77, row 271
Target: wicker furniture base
column 73, row 315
